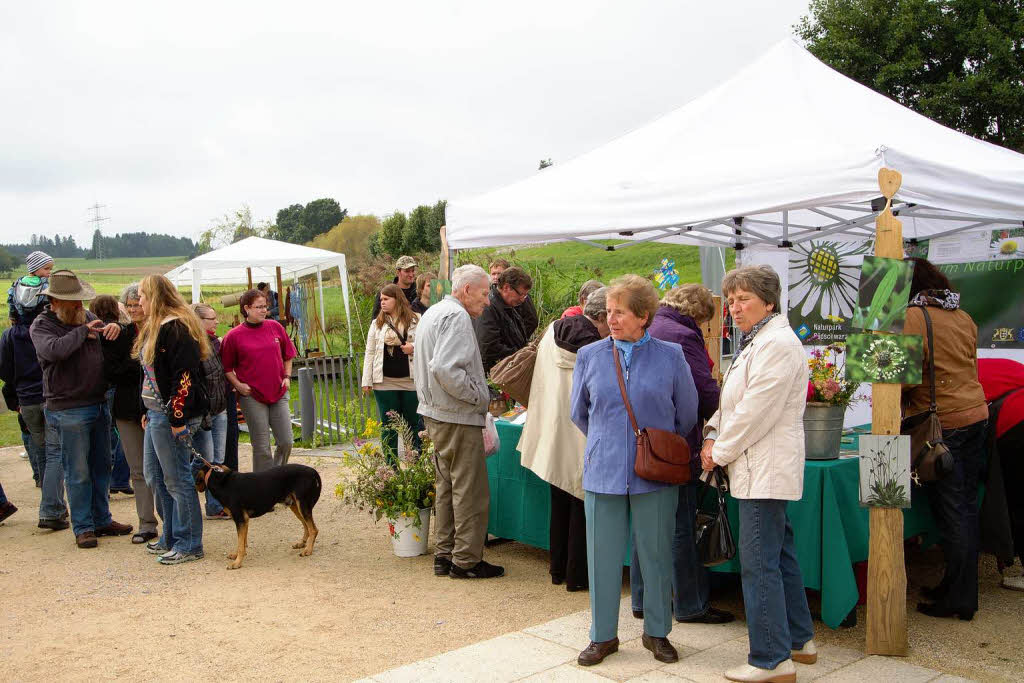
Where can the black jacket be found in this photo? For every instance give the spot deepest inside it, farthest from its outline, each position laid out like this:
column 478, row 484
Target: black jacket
column 19, row 368
column 410, row 294
column 124, row 374
column 500, row 331
column 575, row 332
column 179, row 373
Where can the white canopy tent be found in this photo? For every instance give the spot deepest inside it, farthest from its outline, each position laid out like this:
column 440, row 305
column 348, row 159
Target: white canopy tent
column 786, row 151
column 229, row 265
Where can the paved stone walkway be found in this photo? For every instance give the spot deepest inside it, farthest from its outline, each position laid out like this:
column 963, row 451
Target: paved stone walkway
column 548, row 653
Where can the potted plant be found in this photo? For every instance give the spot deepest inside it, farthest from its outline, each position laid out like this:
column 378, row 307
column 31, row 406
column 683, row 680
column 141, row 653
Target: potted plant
column 402, row 494
column 829, row 393
column 501, row 402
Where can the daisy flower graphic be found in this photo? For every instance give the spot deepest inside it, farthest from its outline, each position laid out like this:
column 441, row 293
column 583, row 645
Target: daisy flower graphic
column 823, row 277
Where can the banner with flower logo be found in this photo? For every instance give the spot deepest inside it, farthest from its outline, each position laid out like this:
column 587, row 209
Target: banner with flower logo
column 823, row 279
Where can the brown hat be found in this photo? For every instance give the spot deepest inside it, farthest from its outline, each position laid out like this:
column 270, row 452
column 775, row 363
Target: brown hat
column 65, row 285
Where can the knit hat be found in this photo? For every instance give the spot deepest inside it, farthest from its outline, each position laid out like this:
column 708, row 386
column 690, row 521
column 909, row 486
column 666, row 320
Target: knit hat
column 37, row 260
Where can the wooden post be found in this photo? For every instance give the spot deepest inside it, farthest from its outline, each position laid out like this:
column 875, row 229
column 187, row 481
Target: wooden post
column 444, row 271
column 248, row 276
column 712, row 331
column 887, row 573
column 281, row 308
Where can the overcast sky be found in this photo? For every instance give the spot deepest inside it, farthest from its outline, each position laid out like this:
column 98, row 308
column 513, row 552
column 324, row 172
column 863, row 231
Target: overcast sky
column 173, row 114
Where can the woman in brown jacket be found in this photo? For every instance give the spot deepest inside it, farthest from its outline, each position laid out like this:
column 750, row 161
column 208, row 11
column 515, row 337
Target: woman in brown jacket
column 963, row 413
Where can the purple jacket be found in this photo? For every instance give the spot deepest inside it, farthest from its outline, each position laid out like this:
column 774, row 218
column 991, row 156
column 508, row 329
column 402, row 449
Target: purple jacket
column 672, row 326
column 661, row 391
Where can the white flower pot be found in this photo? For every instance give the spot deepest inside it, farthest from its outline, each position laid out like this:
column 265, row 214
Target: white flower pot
column 407, row 540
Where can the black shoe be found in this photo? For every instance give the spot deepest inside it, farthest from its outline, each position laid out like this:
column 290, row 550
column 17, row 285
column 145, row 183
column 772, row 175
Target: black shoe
column 596, row 652
column 557, row 580
column 6, row 510
column 55, row 524
column 126, row 490
column 712, row 616
column 941, row 612
column 638, row 614
column 662, row 649
column 572, row 588
column 442, row 565
column 481, row 570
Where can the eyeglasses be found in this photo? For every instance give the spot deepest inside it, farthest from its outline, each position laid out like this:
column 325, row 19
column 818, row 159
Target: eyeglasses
column 258, row 308
column 213, row 318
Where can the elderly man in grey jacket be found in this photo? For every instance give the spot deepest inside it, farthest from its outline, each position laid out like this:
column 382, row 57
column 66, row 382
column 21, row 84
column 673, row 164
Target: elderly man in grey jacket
column 453, row 397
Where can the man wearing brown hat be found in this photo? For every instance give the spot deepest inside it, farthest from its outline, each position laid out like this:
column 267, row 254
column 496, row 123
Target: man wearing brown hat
column 405, row 278
column 66, row 337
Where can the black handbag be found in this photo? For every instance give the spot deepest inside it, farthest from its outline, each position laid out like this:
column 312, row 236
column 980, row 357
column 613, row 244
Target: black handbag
column 712, row 532
column 930, row 457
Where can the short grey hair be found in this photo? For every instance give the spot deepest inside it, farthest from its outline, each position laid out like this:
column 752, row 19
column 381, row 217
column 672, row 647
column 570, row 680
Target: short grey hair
column 588, row 288
column 467, row 275
column 761, row 281
column 130, row 292
column 596, row 306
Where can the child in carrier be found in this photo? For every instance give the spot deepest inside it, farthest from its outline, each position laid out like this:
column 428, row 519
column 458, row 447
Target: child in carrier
column 25, row 298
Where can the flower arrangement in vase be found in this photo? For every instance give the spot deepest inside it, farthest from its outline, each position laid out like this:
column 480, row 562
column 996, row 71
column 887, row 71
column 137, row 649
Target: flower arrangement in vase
column 827, row 383
column 396, row 489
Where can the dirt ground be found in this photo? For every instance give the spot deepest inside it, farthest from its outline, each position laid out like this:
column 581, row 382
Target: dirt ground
column 350, row 610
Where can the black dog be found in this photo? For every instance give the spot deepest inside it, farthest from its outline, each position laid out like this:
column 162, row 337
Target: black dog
column 251, row 494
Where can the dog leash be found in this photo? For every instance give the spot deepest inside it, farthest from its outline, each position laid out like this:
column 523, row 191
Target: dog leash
column 186, row 438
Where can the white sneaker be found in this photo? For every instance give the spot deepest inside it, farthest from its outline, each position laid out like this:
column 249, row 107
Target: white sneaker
column 23, row 455
column 783, row 673
column 1014, row 583
column 808, row 654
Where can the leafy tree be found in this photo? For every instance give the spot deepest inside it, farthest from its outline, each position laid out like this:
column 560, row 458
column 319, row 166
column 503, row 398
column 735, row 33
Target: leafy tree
column 231, row 228
column 350, row 237
column 391, row 235
column 289, row 222
column 97, row 245
column 959, row 62
column 8, row 261
column 319, row 216
column 416, row 236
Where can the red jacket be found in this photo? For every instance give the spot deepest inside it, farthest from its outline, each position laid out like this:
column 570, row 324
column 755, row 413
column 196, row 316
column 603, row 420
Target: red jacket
column 999, row 376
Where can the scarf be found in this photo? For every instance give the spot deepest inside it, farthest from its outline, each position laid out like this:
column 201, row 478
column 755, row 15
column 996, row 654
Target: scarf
column 941, row 298
column 626, row 347
column 745, row 337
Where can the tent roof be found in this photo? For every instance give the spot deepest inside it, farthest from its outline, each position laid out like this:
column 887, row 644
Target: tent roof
column 788, row 144
column 227, row 265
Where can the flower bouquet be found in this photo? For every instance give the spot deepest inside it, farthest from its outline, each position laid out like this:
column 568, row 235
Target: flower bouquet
column 827, row 382
column 501, row 402
column 399, row 493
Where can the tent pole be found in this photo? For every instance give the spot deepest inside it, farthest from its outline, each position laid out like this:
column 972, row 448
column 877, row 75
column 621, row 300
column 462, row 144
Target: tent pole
column 445, row 267
column 320, row 286
column 248, row 277
column 343, row 272
column 196, row 279
column 887, row 573
column 280, row 291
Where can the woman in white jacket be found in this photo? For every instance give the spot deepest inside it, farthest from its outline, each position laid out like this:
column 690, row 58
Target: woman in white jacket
column 387, row 369
column 758, row 434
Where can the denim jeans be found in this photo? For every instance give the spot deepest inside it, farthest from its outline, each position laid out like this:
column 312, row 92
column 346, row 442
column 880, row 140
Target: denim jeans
column 83, row 441
column 168, row 473
column 954, row 502
column 120, row 475
column 51, row 503
column 691, row 584
column 35, row 440
column 778, row 619
column 212, row 445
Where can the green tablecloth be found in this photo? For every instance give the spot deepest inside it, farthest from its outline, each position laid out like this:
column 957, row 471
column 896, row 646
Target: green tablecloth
column 830, row 527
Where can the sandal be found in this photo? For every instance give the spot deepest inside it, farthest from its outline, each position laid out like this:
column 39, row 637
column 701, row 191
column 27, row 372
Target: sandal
column 140, row 537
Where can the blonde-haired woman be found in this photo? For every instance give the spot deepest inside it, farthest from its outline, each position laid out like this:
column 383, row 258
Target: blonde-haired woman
column 171, row 346
column 387, row 369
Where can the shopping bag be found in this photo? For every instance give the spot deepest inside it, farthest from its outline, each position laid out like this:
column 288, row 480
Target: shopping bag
column 715, row 544
column 491, row 441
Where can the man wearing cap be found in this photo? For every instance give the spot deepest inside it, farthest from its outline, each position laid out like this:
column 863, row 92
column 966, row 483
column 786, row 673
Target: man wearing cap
column 66, row 337
column 405, row 278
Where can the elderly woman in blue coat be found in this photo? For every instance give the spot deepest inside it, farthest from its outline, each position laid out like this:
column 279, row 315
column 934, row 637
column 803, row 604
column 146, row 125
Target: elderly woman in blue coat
column 661, row 391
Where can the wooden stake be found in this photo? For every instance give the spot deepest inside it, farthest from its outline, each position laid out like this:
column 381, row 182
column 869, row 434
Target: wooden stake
column 445, row 269
column 712, row 332
column 281, row 307
column 248, row 276
column 887, row 573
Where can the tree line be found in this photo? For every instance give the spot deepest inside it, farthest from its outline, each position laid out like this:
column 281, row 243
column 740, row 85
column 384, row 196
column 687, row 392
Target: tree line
column 121, row 245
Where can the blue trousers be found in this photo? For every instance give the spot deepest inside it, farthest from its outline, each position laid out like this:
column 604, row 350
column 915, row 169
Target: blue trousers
column 778, row 618
column 212, row 445
column 83, row 442
column 691, row 583
column 608, row 521
column 121, row 474
column 168, row 473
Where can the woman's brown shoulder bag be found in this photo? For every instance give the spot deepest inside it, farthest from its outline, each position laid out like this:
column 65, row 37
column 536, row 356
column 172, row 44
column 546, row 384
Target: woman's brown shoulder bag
column 660, row 455
column 930, row 457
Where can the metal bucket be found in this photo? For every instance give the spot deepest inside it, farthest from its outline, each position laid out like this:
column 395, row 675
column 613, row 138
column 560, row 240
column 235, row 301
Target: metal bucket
column 823, row 430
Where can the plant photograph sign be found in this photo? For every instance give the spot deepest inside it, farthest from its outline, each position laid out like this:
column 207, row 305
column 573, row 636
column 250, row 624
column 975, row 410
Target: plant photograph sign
column 885, row 471
column 883, row 294
column 884, row 359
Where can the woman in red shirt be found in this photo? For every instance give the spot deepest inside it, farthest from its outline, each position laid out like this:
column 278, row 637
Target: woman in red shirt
column 257, row 357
